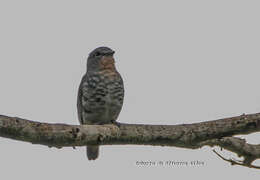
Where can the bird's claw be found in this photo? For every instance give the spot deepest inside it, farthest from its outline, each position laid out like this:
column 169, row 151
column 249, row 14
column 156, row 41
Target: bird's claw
column 116, row 123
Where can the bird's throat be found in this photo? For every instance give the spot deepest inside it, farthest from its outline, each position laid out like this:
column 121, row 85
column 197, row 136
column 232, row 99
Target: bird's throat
column 107, row 63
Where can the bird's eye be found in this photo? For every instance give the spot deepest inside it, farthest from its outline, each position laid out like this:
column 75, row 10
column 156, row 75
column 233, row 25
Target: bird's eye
column 97, row 54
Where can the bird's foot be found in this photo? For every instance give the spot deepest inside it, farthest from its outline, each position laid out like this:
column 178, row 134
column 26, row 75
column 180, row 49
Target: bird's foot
column 116, row 123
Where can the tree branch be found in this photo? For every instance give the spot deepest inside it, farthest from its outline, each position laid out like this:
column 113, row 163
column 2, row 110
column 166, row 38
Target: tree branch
column 190, row 136
column 250, row 152
column 236, row 162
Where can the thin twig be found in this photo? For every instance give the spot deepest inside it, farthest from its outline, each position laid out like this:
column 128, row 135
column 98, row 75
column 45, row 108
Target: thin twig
column 236, row 162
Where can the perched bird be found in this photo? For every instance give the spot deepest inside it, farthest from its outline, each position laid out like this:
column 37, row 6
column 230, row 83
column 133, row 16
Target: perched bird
column 101, row 92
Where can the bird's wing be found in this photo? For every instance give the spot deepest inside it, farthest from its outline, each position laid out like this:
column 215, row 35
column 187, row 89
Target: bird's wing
column 83, row 84
column 122, row 93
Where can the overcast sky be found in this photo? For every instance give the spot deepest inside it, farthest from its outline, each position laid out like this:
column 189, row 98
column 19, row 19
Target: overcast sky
column 182, row 62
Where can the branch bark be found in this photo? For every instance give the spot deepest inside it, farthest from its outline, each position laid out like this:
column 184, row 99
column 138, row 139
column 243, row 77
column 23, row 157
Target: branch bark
column 190, row 136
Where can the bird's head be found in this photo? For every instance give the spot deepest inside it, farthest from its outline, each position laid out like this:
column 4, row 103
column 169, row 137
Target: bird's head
column 100, row 59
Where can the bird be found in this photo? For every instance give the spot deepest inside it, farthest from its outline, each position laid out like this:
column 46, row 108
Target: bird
column 100, row 93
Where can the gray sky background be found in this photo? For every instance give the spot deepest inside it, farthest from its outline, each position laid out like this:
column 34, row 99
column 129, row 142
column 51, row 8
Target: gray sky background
column 181, row 61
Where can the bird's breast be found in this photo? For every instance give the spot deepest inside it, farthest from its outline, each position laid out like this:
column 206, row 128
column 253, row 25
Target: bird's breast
column 106, row 96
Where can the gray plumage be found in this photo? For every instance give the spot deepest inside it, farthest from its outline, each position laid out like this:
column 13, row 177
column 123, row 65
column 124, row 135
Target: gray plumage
column 101, row 92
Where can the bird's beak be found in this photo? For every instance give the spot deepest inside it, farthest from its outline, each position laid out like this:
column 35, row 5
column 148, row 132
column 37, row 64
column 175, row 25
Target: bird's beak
column 110, row 53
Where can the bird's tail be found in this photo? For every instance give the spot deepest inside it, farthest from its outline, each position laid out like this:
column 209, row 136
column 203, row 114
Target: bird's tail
column 92, row 152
